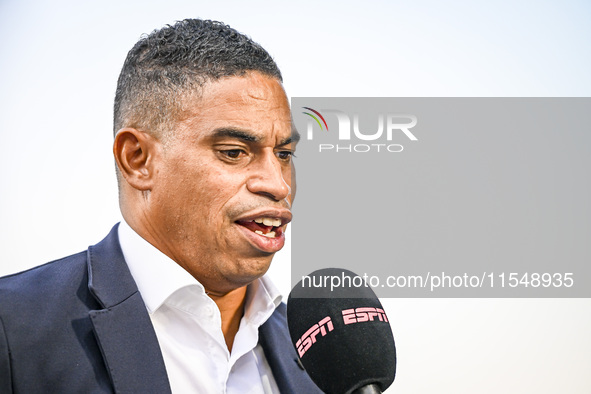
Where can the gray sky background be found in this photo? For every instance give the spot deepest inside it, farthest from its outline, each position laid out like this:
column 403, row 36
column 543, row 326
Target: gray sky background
column 58, row 68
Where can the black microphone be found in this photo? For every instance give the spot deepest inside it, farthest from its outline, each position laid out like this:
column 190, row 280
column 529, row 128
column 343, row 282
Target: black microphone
column 341, row 333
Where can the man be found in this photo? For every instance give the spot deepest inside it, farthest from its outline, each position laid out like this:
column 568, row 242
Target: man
column 175, row 296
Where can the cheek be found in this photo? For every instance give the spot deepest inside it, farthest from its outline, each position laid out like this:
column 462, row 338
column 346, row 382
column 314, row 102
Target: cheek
column 186, row 187
column 201, row 188
column 291, row 179
column 208, row 191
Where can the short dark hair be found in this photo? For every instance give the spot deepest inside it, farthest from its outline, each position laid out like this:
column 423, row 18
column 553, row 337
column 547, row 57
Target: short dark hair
column 177, row 60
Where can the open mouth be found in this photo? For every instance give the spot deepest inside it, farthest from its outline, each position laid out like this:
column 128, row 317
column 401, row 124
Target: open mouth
column 264, row 226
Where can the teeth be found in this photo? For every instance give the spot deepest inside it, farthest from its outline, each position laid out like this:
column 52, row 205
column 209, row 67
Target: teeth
column 268, row 221
column 270, row 234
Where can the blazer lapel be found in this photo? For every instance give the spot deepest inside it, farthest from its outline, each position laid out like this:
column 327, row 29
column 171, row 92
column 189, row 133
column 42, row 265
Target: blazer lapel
column 288, row 371
column 123, row 328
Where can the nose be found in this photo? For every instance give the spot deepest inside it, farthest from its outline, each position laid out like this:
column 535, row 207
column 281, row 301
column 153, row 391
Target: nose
column 268, row 178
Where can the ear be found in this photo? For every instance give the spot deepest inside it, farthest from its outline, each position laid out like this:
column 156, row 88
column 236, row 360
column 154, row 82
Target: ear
column 134, row 152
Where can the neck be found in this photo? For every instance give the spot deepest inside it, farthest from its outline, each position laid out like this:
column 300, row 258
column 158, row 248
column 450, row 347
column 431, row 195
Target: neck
column 231, row 306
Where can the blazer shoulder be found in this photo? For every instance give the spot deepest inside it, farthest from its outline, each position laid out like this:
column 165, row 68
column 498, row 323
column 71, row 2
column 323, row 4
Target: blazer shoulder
column 47, row 342
column 62, row 273
column 43, row 280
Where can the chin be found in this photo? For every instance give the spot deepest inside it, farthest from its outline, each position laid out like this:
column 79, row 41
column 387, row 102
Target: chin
column 251, row 269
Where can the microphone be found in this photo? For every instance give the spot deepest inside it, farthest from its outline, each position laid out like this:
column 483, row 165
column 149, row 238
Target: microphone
column 341, row 333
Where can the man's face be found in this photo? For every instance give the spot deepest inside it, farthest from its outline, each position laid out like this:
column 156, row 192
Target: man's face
column 223, row 184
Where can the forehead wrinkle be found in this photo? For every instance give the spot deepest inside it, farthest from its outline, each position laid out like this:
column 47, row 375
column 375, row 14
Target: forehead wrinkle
column 233, row 102
column 262, row 97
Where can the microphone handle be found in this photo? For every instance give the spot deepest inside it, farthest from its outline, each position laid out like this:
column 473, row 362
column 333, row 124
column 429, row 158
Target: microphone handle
column 369, row 389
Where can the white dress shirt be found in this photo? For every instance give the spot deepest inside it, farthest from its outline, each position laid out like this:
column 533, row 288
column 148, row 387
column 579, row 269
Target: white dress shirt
column 188, row 325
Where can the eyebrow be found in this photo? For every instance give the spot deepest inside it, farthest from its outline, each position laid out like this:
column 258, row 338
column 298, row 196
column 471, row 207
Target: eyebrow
column 295, row 137
column 249, row 137
column 233, row 133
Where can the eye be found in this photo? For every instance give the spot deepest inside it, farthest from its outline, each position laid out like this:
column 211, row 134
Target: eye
column 233, row 153
column 285, row 155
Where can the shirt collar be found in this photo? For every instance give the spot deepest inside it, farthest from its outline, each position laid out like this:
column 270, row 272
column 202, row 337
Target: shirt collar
column 261, row 300
column 158, row 277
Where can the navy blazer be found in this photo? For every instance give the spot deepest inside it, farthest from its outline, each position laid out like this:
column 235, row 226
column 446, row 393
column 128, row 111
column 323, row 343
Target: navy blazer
column 79, row 325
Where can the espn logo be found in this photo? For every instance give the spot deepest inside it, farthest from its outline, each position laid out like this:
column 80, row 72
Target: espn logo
column 309, row 337
column 360, row 315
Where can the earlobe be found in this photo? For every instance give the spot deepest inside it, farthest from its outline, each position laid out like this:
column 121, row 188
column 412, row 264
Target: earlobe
column 134, row 151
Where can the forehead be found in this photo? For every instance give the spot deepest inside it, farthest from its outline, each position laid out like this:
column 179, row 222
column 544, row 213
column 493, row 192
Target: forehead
column 255, row 104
